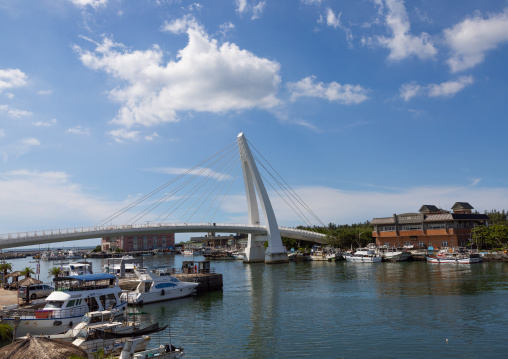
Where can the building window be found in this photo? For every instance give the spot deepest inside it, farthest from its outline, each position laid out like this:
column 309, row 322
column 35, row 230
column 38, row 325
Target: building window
column 421, row 244
column 411, row 227
column 436, row 226
column 444, row 244
column 407, row 243
column 387, row 228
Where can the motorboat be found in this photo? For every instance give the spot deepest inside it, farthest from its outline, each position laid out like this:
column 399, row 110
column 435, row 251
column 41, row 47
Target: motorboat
column 128, row 262
column 363, row 255
column 113, row 336
column 167, row 351
column 73, row 297
column 455, row 256
column 392, row 254
column 77, row 268
column 157, row 285
column 91, row 320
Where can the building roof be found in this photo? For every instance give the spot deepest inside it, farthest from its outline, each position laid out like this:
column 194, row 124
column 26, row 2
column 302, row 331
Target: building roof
column 462, row 205
column 429, row 208
column 385, row 220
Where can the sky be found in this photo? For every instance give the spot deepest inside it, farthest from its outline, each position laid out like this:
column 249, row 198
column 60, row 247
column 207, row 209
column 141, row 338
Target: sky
column 366, row 108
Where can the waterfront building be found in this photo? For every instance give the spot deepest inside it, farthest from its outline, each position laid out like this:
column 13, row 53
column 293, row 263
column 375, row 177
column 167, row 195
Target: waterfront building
column 142, row 242
column 430, row 227
column 213, row 240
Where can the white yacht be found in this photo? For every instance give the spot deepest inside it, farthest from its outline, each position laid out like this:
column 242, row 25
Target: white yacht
column 363, row 255
column 78, row 268
column 157, row 285
column 73, row 297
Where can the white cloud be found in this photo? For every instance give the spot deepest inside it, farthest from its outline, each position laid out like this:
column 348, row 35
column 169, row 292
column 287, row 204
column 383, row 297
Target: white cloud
column 49, row 123
column 402, row 44
column 43, row 200
column 242, row 7
column 334, row 21
column 342, row 207
column 207, row 77
column 19, row 148
column 345, row 94
column 152, row 137
column 444, row 89
column 14, row 113
column 470, row 39
column 12, row 78
column 45, row 92
column 78, row 130
column 121, row 134
column 93, row 3
column 182, row 25
column 257, row 10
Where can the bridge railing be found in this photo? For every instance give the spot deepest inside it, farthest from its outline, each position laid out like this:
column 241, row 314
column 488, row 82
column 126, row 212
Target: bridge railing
column 102, row 229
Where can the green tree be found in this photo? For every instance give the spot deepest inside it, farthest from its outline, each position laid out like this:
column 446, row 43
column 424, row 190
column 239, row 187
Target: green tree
column 27, row 271
column 4, row 268
column 6, row 332
column 97, row 249
column 54, row 272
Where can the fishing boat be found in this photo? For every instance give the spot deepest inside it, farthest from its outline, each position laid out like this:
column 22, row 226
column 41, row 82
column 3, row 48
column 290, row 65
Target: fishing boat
column 112, row 337
column 455, row 256
column 363, row 255
column 157, row 285
column 392, row 254
column 167, row 351
column 73, row 297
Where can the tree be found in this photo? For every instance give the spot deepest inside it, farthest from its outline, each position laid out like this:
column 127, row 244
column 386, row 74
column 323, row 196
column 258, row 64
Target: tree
column 54, row 272
column 97, row 249
column 5, row 267
column 27, row 271
column 6, row 332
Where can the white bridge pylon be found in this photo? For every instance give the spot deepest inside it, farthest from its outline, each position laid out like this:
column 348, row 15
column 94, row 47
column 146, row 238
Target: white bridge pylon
column 255, row 251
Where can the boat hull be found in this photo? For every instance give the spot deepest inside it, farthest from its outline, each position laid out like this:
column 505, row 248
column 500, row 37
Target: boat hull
column 358, row 259
column 159, row 296
column 468, row 260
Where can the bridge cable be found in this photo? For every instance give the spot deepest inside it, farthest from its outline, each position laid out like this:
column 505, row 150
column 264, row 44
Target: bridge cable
column 296, row 196
column 158, row 189
column 185, row 197
column 196, row 175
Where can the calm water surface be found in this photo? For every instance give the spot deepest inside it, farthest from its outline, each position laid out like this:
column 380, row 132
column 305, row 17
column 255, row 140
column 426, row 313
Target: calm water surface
column 333, row 310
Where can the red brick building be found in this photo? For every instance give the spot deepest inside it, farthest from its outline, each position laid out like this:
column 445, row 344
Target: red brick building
column 431, row 226
column 139, row 243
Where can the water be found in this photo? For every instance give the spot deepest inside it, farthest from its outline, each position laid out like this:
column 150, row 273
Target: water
column 334, row 310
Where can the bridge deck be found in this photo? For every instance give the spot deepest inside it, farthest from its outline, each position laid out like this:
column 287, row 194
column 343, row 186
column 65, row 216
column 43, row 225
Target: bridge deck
column 11, row 240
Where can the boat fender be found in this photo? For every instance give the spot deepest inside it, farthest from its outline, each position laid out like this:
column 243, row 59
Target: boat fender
column 163, row 292
column 70, row 324
column 57, row 322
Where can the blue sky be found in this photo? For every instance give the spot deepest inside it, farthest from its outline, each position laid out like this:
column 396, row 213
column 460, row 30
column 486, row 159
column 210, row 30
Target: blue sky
column 366, row 108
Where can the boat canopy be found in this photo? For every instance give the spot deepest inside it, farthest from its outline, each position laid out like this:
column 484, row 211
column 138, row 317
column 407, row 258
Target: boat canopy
column 86, row 277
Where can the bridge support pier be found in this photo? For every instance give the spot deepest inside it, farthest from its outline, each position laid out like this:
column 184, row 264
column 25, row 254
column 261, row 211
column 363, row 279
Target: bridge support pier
column 255, row 250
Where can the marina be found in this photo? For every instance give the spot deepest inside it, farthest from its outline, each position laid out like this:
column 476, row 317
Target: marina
column 264, row 311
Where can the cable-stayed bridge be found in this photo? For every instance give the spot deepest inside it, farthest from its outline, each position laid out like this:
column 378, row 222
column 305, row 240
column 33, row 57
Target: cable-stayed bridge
column 200, row 192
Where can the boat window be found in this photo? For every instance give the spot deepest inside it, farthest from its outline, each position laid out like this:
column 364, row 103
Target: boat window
column 96, row 319
column 103, row 301
column 92, row 304
column 53, row 304
column 70, row 304
column 147, row 286
column 82, row 334
column 86, row 319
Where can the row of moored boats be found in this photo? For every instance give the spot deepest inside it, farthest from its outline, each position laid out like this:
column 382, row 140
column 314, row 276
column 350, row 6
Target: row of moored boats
column 91, row 311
